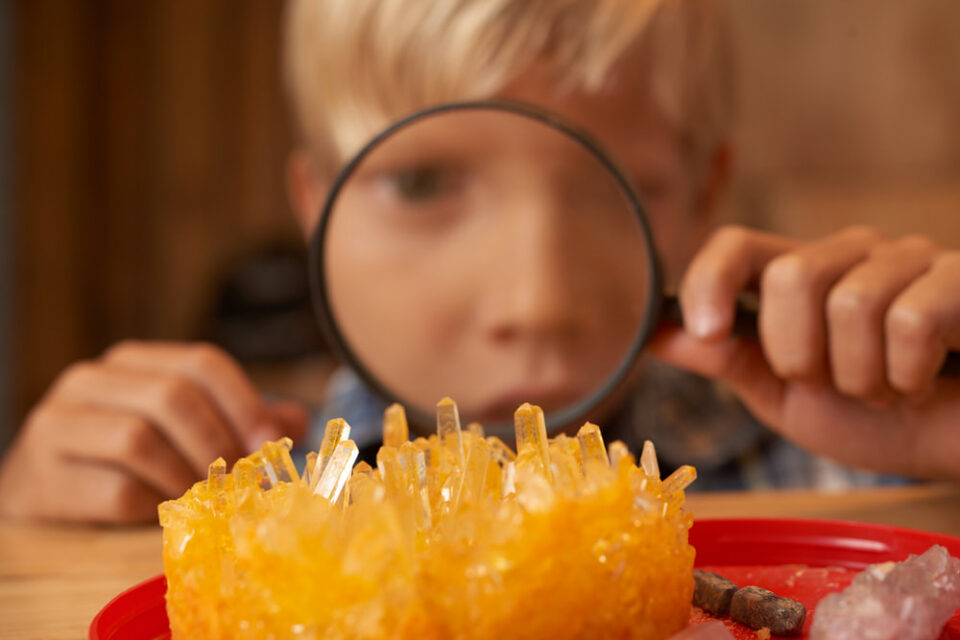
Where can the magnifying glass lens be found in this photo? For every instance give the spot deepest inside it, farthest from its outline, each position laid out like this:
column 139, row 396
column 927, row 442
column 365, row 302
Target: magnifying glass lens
column 489, row 256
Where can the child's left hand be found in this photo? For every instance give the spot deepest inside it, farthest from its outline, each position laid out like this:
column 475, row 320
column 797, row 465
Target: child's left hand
column 853, row 330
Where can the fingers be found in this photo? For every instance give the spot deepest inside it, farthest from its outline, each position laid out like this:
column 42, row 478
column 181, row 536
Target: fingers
column 36, row 483
column 793, row 293
column 873, row 317
column 98, row 493
column 136, row 427
column 794, row 283
column 183, row 413
column 922, row 324
column 212, row 370
column 857, row 308
column 124, row 441
column 730, row 262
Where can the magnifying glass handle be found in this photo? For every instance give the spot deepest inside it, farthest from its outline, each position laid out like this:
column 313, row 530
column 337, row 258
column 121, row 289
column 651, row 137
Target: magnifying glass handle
column 745, row 325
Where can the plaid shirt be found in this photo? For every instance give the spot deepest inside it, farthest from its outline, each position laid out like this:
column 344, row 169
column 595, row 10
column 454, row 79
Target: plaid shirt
column 690, row 419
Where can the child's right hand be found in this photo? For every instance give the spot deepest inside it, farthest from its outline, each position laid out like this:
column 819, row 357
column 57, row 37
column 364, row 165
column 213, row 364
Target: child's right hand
column 115, row 436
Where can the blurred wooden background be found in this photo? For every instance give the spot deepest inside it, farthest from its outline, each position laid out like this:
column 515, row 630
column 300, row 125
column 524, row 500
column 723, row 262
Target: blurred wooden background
column 849, row 112
column 150, row 137
column 150, row 149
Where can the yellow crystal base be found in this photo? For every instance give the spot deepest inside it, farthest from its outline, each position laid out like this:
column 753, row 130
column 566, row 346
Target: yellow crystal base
column 450, row 537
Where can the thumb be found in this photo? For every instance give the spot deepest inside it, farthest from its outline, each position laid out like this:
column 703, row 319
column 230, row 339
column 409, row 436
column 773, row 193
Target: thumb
column 735, row 361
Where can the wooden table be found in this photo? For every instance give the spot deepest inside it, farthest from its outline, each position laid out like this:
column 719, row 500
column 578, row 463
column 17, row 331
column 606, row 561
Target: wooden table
column 53, row 580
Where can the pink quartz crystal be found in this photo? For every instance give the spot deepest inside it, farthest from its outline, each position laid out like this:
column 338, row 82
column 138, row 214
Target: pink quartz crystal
column 909, row 600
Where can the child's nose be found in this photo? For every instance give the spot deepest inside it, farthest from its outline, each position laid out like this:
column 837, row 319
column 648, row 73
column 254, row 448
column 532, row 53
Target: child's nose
column 537, row 280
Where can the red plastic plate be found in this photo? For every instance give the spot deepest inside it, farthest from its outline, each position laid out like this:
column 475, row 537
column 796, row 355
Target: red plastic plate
column 139, row 613
column 747, row 551
column 805, row 559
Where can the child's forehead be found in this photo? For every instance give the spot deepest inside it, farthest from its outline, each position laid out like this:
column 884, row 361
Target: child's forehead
column 624, row 115
column 622, row 112
column 627, row 101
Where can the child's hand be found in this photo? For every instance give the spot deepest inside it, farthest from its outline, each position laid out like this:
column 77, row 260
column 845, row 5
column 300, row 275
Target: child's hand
column 853, row 330
column 115, row 436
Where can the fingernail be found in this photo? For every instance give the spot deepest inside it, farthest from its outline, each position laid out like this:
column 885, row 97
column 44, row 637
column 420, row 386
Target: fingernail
column 705, row 322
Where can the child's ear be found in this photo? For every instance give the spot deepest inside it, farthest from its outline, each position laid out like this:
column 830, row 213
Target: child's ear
column 716, row 180
column 306, row 189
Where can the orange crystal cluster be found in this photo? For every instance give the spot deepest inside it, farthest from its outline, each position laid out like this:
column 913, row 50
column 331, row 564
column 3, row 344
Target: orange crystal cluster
column 451, row 536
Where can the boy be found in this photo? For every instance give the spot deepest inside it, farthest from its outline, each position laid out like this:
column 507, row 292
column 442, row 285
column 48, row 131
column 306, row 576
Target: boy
column 853, row 327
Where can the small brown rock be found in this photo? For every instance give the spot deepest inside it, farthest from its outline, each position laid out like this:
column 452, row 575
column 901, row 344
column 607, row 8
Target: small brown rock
column 757, row 608
column 712, row 592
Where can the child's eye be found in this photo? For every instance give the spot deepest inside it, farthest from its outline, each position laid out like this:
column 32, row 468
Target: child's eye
column 423, row 183
column 418, row 192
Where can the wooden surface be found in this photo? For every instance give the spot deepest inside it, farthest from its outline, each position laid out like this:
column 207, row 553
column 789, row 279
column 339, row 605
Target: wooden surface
column 54, row 580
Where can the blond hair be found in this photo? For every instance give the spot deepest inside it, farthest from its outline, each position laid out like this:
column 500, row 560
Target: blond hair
column 352, row 66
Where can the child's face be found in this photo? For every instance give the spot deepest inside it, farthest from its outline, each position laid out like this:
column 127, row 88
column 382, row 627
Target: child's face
column 514, row 302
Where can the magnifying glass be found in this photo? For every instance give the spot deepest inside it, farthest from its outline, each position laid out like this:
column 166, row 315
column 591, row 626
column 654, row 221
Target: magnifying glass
column 494, row 253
